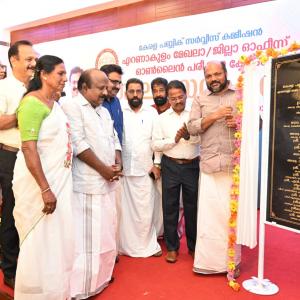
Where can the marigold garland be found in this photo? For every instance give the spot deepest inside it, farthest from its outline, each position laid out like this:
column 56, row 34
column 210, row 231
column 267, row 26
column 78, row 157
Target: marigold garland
column 260, row 57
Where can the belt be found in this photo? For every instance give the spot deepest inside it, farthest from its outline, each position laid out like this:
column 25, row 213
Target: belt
column 8, row 148
column 182, row 161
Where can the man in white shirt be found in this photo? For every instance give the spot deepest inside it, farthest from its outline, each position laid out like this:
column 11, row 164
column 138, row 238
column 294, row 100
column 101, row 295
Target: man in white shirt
column 22, row 59
column 137, row 232
column 180, row 169
column 96, row 166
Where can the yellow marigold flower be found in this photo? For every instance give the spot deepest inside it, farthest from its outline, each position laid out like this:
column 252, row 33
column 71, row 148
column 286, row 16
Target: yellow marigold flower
column 231, row 252
column 232, row 223
column 236, row 169
column 233, row 206
column 238, row 135
column 283, row 51
column 231, row 265
column 263, row 59
column 234, row 285
column 243, row 58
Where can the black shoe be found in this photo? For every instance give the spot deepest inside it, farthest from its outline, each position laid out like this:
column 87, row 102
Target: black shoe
column 112, row 279
column 9, row 282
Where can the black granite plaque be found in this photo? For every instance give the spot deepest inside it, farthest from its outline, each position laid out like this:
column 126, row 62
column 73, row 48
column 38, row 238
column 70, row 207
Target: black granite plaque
column 283, row 198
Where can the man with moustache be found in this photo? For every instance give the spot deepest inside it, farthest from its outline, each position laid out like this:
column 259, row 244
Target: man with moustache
column 137, row 232
column 161, row 104
column 96, row 148
column 111, row 102
column 158, row 88
column 213, row 117
column 179, row 169
column 22, row 59
column 73, row 80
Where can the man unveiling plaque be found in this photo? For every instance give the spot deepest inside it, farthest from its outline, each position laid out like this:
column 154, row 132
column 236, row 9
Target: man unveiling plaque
column 283, row 199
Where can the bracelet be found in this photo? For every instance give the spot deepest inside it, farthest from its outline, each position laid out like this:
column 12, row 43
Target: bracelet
column 157, row 166
column 45, row 190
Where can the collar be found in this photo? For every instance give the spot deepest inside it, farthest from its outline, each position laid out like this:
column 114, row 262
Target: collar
column 81, row 99
column 171, row 111
column 127, row 107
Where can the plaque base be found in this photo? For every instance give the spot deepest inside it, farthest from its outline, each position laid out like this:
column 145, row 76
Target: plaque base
column 260, row 287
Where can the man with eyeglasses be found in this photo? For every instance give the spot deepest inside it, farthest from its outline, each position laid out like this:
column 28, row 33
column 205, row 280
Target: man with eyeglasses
column 111, row 102
column 137, row 232
column 179, row 169
column 213, row 118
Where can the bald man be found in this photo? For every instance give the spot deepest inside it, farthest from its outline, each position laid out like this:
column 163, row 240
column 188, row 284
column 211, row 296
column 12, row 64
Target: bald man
column 95, row 171
column 213, row 118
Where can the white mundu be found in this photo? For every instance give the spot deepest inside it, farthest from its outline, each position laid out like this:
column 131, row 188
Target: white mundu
column 137, row 232
column 94, row 206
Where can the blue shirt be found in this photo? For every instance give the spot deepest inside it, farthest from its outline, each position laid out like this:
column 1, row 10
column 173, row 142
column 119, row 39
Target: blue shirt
column 115, row 111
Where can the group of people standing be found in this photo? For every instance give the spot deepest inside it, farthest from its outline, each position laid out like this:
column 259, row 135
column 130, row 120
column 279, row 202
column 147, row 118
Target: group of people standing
column 92, row 175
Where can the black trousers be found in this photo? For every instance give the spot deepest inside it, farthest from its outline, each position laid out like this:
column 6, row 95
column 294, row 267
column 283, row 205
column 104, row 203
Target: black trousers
column 174, row 178
column 9, row 238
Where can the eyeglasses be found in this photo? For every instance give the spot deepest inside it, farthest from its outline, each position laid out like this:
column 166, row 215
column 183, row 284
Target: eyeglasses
column 115, row 82
column 173, row 99
column 132, row 92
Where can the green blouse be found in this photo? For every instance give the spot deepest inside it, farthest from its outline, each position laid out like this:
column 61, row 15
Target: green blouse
column 30, row 114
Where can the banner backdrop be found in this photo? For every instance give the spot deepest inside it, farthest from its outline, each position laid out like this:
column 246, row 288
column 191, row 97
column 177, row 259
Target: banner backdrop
column 178, row 48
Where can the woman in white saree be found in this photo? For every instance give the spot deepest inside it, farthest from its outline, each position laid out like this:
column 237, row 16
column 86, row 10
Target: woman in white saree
column 43, row 188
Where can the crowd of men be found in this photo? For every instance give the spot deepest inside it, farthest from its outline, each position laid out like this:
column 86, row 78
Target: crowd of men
column 133, row 165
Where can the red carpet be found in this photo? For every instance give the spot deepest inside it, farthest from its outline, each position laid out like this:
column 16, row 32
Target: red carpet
column 154, row 279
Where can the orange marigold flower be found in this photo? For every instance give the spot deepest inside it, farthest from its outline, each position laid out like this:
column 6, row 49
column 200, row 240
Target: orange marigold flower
column 269, row 51
column 232, row 237
column 258, row 53
column 247, row 61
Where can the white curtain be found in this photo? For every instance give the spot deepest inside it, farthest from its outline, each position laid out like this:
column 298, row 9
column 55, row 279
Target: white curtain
column 247, row 213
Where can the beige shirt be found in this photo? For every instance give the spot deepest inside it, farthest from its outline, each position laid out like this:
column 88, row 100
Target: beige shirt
column 11, row 92
column 217, row 142
column 165, row 129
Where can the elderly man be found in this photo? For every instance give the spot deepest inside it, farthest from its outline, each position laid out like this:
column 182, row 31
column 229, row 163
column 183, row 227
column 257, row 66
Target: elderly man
column 179, row 167
column 213, row 117
column 137, row 232
column 22, row 59
column 95, row 169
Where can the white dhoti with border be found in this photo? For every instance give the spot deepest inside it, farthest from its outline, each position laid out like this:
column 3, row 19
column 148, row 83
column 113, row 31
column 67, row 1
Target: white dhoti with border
column 137, row 231
column 212, row 224
column 95, row 243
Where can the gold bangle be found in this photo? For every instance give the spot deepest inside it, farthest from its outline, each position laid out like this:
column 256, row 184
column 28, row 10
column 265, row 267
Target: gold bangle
column 157, row 166
column 45, row 190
